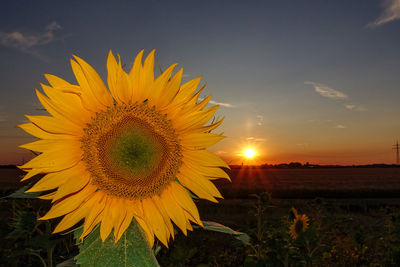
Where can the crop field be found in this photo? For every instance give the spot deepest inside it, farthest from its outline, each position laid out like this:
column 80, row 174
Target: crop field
column 288, row 183
column 354, row 220
column 310, row 183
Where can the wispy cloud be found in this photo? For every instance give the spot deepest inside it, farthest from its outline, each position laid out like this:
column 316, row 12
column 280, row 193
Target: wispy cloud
column 260, row 120
column 27, row 41
column 227, row 105
column 327, row 91
column 340, row 126
column 351, row 107
column 390, row 12
column 355, row 107
column 254, row 139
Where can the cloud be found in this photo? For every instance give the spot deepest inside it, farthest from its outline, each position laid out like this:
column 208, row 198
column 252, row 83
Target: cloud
column 355, row 107
column 390, row 12
column 227, row 105
column 326, row 91
column 253, row 139
column 26, row 41
column 340, row 126
column 260, row 120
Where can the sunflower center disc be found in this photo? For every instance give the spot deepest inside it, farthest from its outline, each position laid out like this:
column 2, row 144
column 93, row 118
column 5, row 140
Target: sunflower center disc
column 131, row 151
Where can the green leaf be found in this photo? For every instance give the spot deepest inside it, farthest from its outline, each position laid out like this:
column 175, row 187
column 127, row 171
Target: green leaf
column 20, row 193
column 217, row 227
column 67, row 263
column 131, row 250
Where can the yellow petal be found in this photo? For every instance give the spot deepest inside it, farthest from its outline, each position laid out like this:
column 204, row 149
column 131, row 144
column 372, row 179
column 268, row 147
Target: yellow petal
column 134, row 76
column 70, row 203
column 119, row 216
column 106, row 223
column 68, row 103
column 50, row 181
column 34, row 130
column 126, row 222
column 171, row 89
column 186, row 92
column 75, row 216
column 209, row 172
column 55, row 125
column 155, row 221
column 96, row 221
column 194, row 120
column 200, row 140
column 48, row 196
column 199, row 106
column 200, row 180
column 55, row 160
column 198, row 187
column 184, row 200
column 159, row 86
column 89, row 100
column 173, row 210
column 158, row 203
column 147, row 74
column 94, row 216
column 203, row 158
column 118, row 81
column 190, row 218
column 57, row 81
column 31, row 173
column 53, row 145
column 95, row 83
column 207, row 128
column 78, row 177
column 57, row 111
column 192, row 105
column 146, row 230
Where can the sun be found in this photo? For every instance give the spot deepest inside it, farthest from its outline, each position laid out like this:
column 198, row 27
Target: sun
column 249, row 153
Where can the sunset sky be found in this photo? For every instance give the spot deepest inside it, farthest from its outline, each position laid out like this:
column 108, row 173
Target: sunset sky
column 315, row 81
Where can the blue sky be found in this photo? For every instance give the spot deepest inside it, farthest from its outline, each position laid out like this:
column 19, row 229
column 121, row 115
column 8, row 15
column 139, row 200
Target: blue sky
column 313, row 81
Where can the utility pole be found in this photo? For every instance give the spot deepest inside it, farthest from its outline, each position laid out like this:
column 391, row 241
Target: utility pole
column 397, row 147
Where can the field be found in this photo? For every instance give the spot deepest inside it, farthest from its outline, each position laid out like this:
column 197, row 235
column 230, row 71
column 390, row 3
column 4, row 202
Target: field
column 288, row 183
column 354, row 221
column 311, row 183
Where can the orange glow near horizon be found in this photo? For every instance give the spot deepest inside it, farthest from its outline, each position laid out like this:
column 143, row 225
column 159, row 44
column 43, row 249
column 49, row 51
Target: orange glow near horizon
column 249, row 153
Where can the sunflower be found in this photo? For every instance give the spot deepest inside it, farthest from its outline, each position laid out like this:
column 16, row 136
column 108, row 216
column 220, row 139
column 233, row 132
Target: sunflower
column 299, row 225
column 135, row 151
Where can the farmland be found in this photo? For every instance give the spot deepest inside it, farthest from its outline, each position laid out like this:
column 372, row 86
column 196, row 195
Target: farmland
column 354, row 221
column 288, row 183
column 310, row 183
